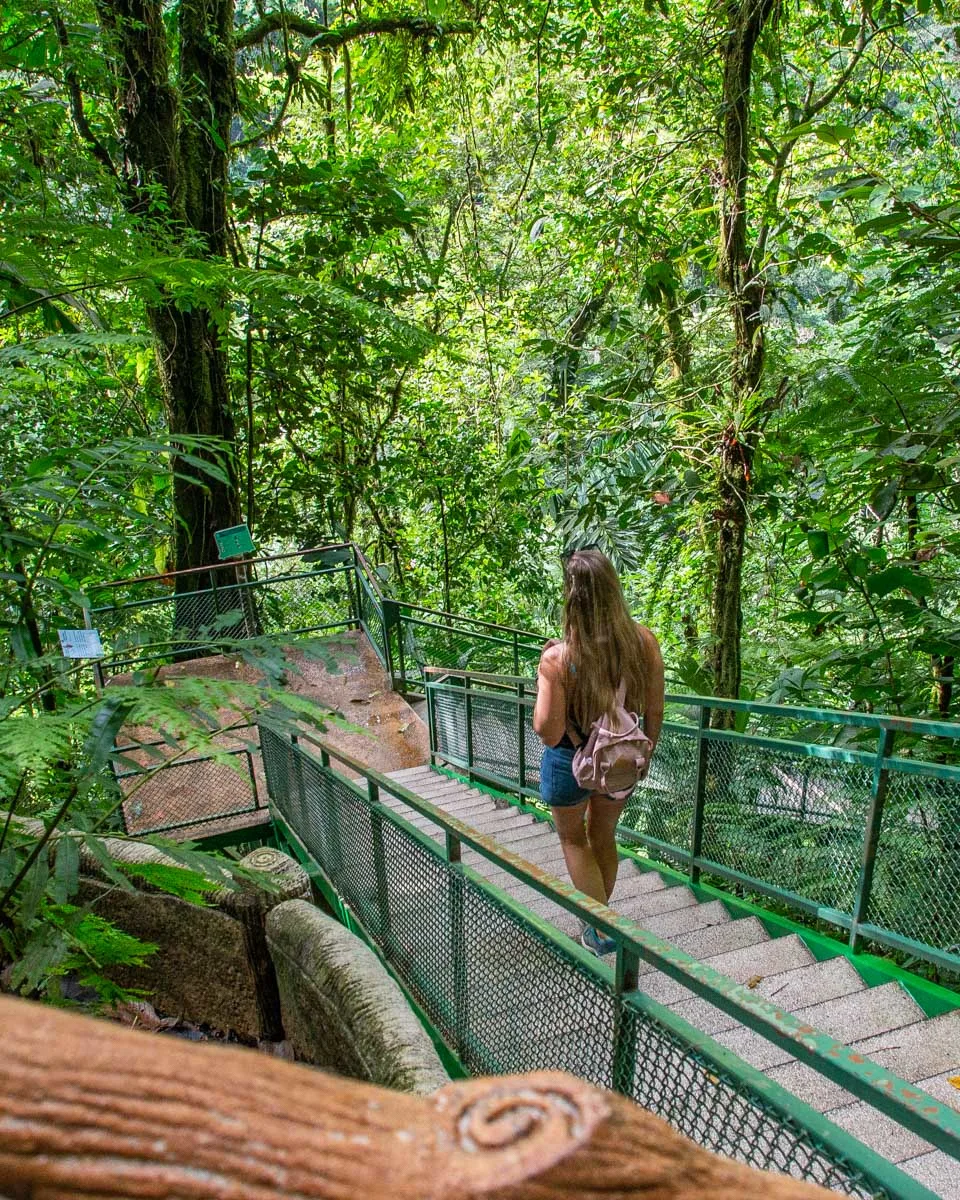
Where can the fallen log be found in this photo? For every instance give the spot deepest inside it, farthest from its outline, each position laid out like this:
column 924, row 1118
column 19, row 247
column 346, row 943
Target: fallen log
column 89, row 1109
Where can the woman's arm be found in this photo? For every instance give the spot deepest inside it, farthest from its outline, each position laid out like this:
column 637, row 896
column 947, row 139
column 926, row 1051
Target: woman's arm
column 653, row 698
column 550, row 710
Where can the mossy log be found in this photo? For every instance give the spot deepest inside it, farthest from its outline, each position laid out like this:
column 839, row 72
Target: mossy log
column 90, row 1109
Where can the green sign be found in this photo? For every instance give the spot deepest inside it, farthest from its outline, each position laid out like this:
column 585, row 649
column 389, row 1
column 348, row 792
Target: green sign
column 233, row 541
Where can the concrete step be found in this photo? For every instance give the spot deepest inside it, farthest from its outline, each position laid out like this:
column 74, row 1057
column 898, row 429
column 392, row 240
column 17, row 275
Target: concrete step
column 936, row 1171
column 860, row 1014
column 488, row 822
column 719, row 939
column 790, row 990
column 407, row 774
column 826, row 980
column 754, row 961
column 652, row 880
column 442, row 797
column 665, row 901
column 917, row 1051
column 430, row 782
column 493, row 822
column 466, row 800
column 941, row 1087
column 671, row 925
column 442, row 794
column 879, row 1132
column 631, row 887
column 530, row 846
column 882, row 1011
column 536, row 829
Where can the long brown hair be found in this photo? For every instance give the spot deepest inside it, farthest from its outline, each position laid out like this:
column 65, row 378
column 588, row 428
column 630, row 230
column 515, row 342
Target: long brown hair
column 603, row 647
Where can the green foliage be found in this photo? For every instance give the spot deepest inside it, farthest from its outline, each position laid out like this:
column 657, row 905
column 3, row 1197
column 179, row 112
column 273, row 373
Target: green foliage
column 473, row 311
column 69, row 512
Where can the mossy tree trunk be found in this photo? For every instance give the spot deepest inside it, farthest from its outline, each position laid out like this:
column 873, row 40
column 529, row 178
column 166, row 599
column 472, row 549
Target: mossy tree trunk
column 176, row 143
column 739, row 275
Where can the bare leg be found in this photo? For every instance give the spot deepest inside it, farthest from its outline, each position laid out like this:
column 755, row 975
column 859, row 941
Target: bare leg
column 602, row 817
column 582, row 865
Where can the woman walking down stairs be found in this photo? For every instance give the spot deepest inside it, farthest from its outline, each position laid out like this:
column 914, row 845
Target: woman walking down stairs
column 884, row 1023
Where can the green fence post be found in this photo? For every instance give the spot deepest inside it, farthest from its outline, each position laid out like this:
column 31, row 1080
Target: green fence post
column 391, row 622
column 453, row 852
column 431, row 721
column 626, row 976
column 871, row 837
column 700, row 791
column 379, row 863
column 353, row 593
column 251, row 771
column 521, row 737
column 516, row 654
column 300, row 789
column 468, row 714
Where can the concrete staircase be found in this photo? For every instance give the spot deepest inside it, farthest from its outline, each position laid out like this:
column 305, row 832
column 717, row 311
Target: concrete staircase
column 883, row 1022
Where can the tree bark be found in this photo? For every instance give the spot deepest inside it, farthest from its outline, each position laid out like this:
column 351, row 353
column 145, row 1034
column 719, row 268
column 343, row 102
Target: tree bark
column 566, row 359
column 738, row 275
column 88, row 1108
column 176, row 144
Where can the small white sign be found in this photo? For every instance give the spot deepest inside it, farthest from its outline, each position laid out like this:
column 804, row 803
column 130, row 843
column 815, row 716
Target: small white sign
column 80, row 643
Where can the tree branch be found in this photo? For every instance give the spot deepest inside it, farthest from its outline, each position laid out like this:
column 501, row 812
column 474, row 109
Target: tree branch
column 323, row 38
column 97, row 148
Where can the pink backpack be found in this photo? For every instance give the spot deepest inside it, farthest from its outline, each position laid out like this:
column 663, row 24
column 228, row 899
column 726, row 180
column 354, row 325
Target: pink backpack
column 613, row 759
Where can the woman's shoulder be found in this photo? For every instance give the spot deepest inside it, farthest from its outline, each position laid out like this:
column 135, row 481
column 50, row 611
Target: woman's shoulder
column 552, row 659
column 648, row 640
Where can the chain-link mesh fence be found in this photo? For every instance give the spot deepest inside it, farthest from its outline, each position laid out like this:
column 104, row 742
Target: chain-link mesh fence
column 507, row 995
column 184, row 797
column 790, row 819
column 370, row 610
column 422, row 638
column 785, row 820
column 916, row 879
column 150, row 620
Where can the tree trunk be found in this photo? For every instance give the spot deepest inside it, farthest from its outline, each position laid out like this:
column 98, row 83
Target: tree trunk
column 731, row 531
column 738, row 276
column 941, row 665
column 177, row 146
column 193, row 368
column 566, row 359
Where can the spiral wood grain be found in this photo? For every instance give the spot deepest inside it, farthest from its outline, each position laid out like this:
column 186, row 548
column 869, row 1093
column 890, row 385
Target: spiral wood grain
column 93, row 1111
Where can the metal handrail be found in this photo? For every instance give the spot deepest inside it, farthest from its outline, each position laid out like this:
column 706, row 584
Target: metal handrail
column 438, row 612
column 239, row 586
column 834, row 716
column 246, row 562
column 882, row 763
column 936, row 1123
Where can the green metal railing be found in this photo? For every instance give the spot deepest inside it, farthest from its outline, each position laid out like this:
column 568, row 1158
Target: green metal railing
column 160, row 792
column 850, row 818
column 866, row 839
column 509, row 992
column 410, row 638
column 186, row 614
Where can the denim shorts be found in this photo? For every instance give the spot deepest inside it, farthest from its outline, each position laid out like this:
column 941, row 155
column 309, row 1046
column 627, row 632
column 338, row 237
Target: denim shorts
column 558, row 788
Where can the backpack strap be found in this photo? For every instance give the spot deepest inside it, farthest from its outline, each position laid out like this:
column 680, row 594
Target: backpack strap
column 581, row 736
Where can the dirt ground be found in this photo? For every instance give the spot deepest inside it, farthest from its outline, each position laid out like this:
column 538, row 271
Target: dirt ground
column 196, row 799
